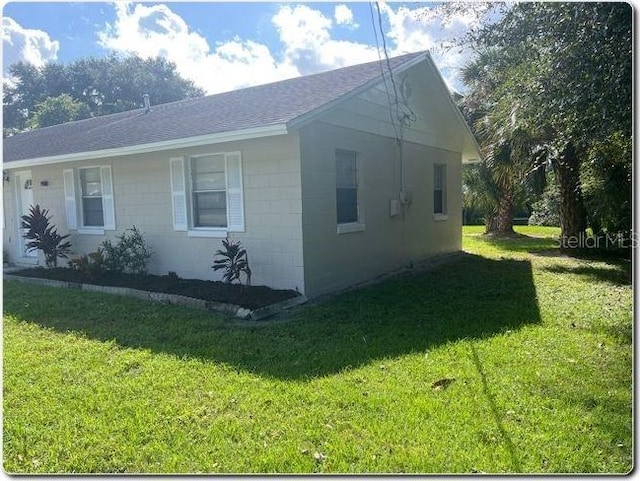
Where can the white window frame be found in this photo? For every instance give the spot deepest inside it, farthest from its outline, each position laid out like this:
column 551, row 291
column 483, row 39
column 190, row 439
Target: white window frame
column 192, row 191
column 359, row 224
column 74, row 204
column 82, row 197
column 182, row 196
column 442, row 167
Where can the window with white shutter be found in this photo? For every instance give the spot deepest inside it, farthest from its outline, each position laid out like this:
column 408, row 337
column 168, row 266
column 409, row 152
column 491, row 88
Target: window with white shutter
column 207, row 194
column 89, row 199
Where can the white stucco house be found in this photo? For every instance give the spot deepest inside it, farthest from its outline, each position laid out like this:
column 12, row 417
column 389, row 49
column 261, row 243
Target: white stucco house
column 328, row 180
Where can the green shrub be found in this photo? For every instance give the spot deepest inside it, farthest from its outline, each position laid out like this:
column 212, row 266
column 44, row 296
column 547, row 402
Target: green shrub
column 234, row 261
column 43, row 236
column 131, row 252
column 91, row 265
column 546, row 211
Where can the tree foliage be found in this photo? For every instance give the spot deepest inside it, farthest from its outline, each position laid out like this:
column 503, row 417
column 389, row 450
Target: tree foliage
column 100, row 85
column 58, row 110
column 546, row 210
column 512, row 161
column 560, row 75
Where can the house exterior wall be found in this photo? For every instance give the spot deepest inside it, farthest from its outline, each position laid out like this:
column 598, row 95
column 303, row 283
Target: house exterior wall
column 431, row 115
column 363, row 124
column 333, row 261
column 143, row 197
column 289, row 185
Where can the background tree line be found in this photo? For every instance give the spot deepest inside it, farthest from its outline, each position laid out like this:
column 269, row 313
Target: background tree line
column 550, row 102
column 36, row 97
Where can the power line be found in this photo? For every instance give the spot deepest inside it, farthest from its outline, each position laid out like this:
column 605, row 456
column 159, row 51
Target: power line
column 386, row 55
column 404, row 118
column 384, row 78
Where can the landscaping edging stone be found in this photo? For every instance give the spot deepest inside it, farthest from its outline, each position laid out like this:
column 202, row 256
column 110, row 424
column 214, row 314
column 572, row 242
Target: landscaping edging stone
column 161, row 297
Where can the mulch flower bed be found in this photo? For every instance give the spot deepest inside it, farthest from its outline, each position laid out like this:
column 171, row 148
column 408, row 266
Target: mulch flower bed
column 250, row 297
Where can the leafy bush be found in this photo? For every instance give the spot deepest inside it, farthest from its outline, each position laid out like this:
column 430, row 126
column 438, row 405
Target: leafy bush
column 91, row 265
column 607, row 185
column 234, row 261
column 546, row 211
column 131, row 252
column 43, row 236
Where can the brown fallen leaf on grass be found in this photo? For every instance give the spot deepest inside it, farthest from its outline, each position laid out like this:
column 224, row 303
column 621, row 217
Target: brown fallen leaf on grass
column 442, row 383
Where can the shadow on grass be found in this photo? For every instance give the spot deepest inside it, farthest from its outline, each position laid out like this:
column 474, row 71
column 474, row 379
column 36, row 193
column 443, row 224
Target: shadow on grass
column 522, row 243
column 618, row 273
column 497, row 417
column 471, row 298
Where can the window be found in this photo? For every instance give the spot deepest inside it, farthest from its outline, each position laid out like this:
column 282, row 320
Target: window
column 439, row 189
column 346, row 187
column 209, row 190
column 91, row 193
column 207, row 194
column 88, row 194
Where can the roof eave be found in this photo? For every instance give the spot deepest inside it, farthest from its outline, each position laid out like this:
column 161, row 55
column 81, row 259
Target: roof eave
column 217, row 138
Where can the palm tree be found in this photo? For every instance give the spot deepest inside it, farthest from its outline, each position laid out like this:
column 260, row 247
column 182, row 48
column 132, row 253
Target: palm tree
column 506, row 146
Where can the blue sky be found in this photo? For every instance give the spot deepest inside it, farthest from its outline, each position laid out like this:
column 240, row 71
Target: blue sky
column 223, row 46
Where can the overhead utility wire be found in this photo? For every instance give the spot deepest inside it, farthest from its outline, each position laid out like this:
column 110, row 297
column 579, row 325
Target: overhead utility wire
column 386, row 56
column 394, row 116
column 384, row 78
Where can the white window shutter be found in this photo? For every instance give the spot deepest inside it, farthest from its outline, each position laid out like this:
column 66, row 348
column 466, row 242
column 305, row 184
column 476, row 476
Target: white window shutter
column 178, row 194
column 70, row 198
column 108, row 210
column 235, row 200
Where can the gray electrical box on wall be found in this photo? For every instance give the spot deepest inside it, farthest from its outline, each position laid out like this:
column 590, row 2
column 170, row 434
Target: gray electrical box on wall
column 394, row 207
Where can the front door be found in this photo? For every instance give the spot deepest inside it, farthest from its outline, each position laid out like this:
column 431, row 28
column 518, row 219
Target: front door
column 24, row 200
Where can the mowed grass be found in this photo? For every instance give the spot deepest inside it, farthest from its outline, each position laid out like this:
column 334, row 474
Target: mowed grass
column 537, row 348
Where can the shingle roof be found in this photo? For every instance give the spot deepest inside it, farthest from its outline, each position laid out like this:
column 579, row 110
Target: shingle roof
column 259, row 106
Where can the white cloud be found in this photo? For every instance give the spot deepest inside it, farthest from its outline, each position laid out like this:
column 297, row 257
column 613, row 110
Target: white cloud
column 434, row 29
column 304, row 33
column 308, row 42
column 344, row 16
column 155, row 30
column 27, row 45
column 308, row 45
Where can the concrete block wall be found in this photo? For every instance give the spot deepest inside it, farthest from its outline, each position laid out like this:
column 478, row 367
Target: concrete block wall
column 142, row 197
column 332, row 260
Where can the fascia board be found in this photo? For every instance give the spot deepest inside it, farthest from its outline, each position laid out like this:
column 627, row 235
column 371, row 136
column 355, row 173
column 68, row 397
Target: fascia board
column 245, row 134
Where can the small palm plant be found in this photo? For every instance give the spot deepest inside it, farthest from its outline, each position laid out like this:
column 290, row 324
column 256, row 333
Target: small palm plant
column 44, row 237
column 234, row 261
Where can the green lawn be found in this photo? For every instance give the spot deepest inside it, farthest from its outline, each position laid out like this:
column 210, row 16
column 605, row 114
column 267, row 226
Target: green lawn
column 538, row 347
